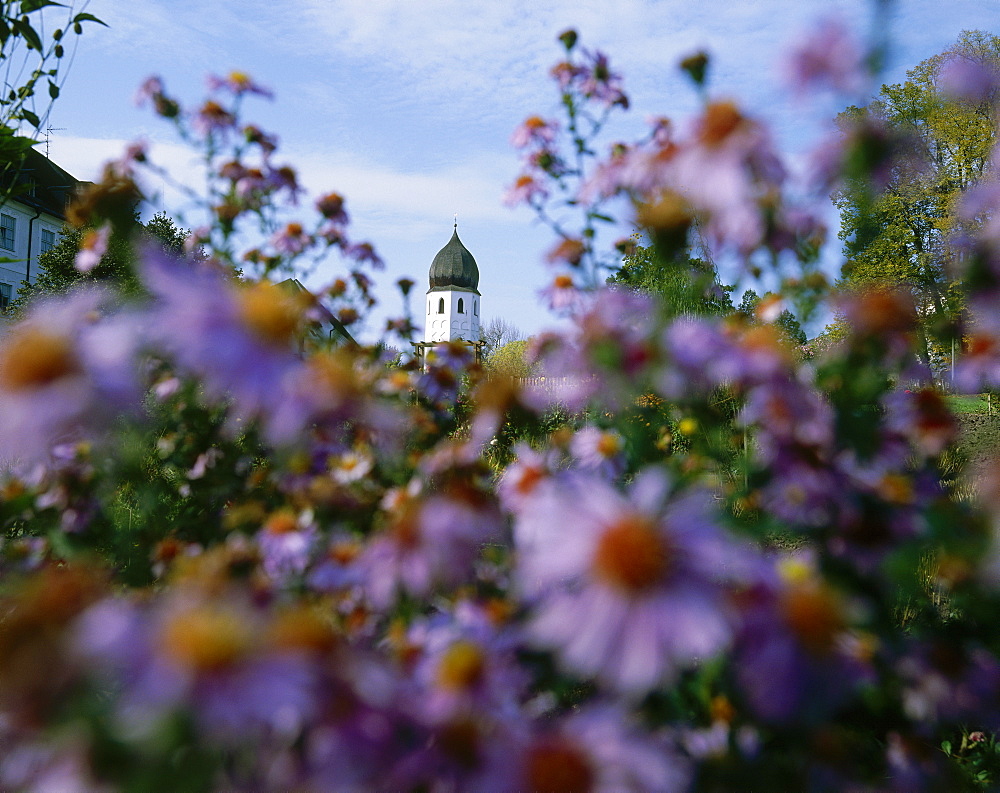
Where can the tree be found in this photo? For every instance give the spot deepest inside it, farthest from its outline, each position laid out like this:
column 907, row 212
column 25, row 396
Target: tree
column 498, row 332
column 897, row 237
column 508, row 360
column 30, row 58
column 57, row 269
column 786, row 322
column 685, row 285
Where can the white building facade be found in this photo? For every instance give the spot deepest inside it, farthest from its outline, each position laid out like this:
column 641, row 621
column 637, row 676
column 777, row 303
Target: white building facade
column 30, row 220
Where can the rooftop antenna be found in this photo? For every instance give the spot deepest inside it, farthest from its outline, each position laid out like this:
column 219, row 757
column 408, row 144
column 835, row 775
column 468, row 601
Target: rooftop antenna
column 48, row 135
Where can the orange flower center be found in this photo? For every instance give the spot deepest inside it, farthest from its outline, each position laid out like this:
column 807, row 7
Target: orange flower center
column 721, row 119
column 530, row 477
column 632, row 555
column 282, row 522
column 270, row 312
column 814, row 614
column 554, row 766
column 205, row 639
column 34, row 358
column 609, row 444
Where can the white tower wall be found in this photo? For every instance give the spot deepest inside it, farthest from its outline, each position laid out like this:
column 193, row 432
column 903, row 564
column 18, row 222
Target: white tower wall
column 452, row 315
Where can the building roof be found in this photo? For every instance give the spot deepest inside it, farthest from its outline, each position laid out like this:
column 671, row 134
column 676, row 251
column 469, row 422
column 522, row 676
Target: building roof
column 337, row 329
column 41, row 184
column 454, row 268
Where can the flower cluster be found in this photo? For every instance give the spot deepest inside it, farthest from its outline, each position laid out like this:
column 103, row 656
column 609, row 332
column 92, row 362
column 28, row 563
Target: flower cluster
column 239, row 555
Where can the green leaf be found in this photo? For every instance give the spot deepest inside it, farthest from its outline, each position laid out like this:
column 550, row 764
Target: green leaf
column 53, row 90
column 27, row 6
column 31, row 118
column 28, row 33
column 82, row 17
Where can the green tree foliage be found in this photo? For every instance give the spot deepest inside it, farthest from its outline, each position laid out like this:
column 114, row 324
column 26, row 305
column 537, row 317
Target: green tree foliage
column 685, row 285
column 508, row 360
column 57, row 270
column 785, row 321
column 897, row 236
column 33, row 39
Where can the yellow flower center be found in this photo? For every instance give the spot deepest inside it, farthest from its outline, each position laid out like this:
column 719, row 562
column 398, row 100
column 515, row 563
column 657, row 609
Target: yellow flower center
column 34, row 358
column 461, row 666
column 632, row 555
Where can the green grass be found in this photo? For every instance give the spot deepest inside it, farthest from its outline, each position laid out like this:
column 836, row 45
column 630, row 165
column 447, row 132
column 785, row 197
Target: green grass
column 971, row 403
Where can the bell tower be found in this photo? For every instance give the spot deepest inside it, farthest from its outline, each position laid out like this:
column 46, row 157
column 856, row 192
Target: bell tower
column 452, row 311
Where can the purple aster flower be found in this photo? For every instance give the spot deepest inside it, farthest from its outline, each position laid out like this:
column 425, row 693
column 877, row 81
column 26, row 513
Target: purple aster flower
column 629, row 589
column 968, row 79
column 65, row 371
column 431, row 538
column 240, row 339
column 286, row 543
column 465, row 665
column 796, row 659
column 944, row 681
column 597, row 750
column 599, row 450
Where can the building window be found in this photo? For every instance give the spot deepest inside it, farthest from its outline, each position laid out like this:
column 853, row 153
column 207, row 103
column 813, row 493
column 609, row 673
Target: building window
column 475, row 307
column 461, row 306
column 5, row 293
column 441, row 306
column 7, row 226
column 48, row 240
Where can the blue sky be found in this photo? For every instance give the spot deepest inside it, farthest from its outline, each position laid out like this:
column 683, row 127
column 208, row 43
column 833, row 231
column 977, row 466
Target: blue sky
column 407, row 107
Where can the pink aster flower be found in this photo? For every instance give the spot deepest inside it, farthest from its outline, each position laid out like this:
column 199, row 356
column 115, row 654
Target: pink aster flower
column 525, row 190
column 828, row 57
column 238, row 83
column 212, row 118
column 93, row 247
column 599, row 451
column 331, row 206
column 292, row 239
column 521, row 480
column 534, row 130
column 630, row 589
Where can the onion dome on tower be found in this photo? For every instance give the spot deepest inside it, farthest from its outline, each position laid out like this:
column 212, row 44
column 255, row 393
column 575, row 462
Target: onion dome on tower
column 453, row 296
column 454, row 267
